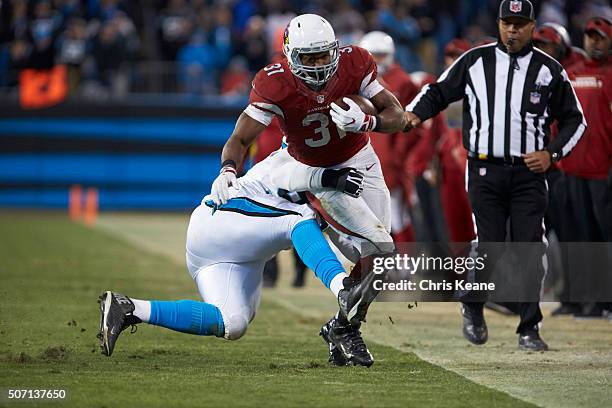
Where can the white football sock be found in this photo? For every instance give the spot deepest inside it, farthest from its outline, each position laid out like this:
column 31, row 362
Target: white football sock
column 143, row 309
column 336, row 284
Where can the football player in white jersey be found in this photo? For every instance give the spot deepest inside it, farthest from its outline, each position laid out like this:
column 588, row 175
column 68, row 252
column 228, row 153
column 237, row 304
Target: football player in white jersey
column 228, row 272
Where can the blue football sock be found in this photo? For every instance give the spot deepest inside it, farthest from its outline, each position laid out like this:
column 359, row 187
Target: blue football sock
column 313, row 249
column 188, row 316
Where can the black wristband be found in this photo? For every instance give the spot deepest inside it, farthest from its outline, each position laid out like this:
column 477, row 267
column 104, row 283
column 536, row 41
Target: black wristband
column 378, row 123
column 329, row 178
column 229, row 162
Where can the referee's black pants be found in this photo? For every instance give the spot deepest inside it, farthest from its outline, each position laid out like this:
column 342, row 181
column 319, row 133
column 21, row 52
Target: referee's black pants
column 499, row 192
column 587, row 200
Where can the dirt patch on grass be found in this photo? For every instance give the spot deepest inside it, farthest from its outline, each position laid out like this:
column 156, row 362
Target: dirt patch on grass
column 57, row 353
column 23, row 358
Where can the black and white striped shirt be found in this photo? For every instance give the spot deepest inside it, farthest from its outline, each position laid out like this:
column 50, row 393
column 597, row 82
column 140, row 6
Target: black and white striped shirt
column 509, row 102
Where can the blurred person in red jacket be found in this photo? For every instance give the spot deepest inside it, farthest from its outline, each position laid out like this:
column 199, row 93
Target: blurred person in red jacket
column 418, row 173
column 453, row 159
column 236, row 79
column 452, row 51
column 442, row 145
column 554, row 40
column 392, row 149
column 587, row 168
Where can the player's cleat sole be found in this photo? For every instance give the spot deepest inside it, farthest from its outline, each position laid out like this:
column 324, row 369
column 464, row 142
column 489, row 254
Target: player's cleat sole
column 116, row 314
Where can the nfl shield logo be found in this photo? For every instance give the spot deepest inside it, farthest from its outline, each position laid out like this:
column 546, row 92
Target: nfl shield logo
column 534, row 97
column 320, row 98
column 482, row 171
column 516, row 6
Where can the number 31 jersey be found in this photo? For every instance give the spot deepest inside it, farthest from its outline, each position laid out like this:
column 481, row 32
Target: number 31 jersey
column 303, row 112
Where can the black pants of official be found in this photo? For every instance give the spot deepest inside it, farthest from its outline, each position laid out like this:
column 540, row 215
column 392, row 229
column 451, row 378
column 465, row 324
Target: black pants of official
column 499, row 193
column 587, row 219
column 587, row 200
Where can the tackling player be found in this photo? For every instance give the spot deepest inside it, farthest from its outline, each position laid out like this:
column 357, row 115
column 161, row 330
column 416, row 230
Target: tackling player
column 228, row 274
column 300, row 91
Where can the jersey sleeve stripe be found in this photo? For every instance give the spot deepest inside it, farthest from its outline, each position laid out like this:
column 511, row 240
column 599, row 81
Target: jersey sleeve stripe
column 581, row 127
column 366, row 81
column 269, row 107
column 372, row 89
column 262, row 116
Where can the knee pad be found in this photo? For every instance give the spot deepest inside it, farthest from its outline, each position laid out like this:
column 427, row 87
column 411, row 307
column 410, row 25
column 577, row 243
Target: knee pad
column 383, row 244
column 235, row 326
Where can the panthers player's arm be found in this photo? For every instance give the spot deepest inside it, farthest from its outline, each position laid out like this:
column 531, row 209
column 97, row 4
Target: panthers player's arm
column 246, row 131
column 391, row 117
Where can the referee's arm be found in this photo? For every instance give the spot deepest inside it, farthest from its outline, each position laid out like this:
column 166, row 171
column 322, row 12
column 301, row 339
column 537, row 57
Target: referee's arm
column 565, row 107
column 435, row 97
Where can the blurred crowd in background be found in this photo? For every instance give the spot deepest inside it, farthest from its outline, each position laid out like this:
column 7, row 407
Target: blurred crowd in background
column 213, row 47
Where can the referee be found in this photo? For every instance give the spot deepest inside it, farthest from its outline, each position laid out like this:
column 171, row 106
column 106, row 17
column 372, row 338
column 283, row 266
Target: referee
column 511, row 93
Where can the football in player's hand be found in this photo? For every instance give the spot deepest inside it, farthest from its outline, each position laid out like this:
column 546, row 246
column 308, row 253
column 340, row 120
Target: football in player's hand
column 363, row 103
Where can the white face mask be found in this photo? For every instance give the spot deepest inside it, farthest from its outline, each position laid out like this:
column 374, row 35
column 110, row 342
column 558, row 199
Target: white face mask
column 314, row 75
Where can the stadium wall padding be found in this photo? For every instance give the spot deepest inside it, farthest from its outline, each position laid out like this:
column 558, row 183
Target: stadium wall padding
column 138, row 155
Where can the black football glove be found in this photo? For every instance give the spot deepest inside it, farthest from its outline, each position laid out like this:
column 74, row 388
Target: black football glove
column 347, row 180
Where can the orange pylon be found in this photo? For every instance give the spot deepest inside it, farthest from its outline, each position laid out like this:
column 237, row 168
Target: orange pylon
column 91, row 206
column 75, row 202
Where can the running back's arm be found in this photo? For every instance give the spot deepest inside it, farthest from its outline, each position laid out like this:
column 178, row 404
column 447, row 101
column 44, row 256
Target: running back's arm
column 246, row 131
column 391, row 114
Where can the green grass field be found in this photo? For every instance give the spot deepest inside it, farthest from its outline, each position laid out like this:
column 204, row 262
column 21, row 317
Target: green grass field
column 52, row 272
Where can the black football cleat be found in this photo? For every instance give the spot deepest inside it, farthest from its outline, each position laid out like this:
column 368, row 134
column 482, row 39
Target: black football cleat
column 348, row 341
column 474, row 325
column 531, row 341
column 335, row 356
column 116, row 315
column 356, row 297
